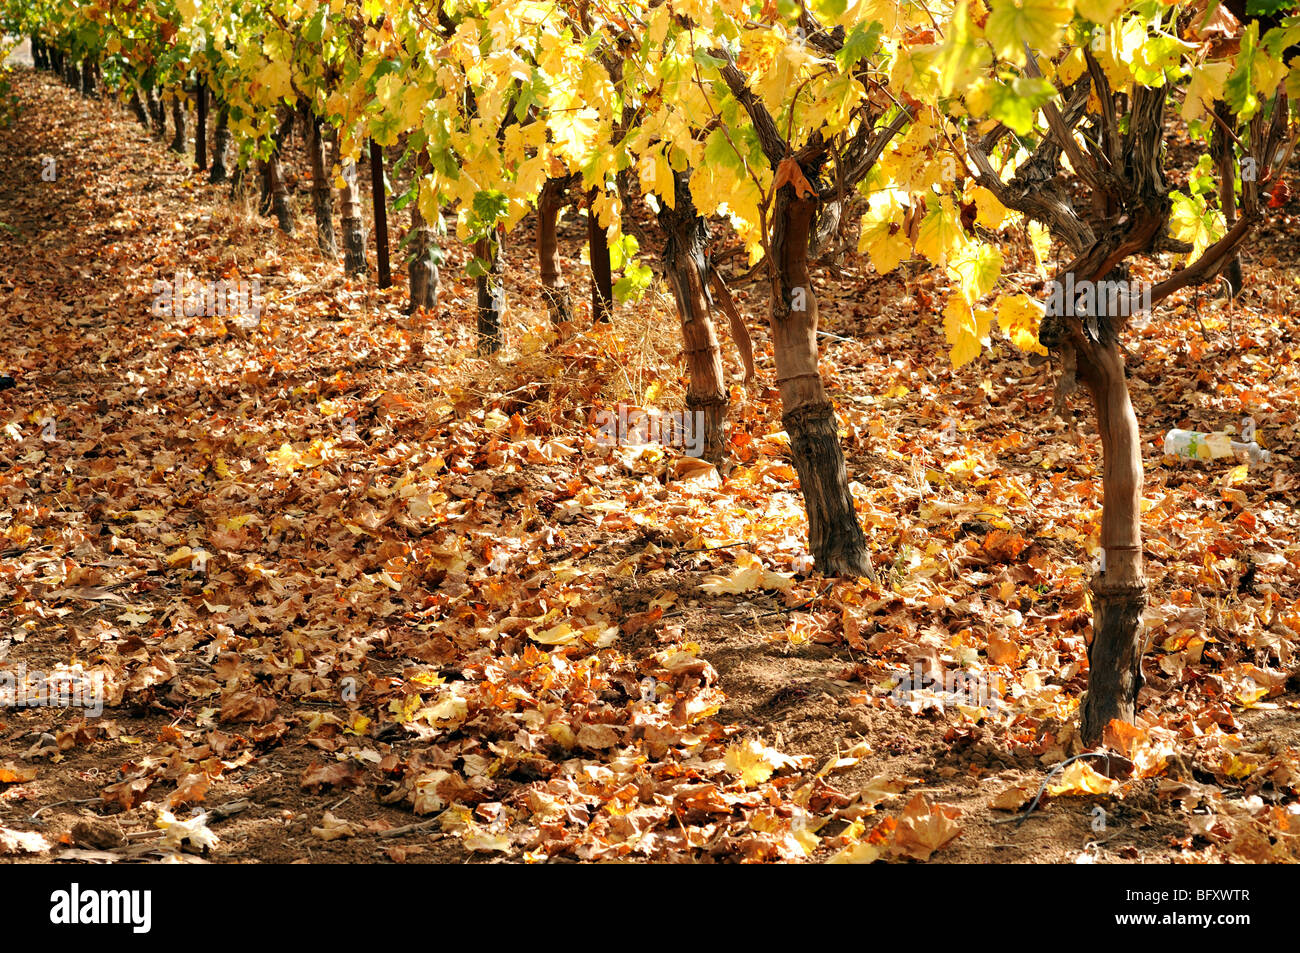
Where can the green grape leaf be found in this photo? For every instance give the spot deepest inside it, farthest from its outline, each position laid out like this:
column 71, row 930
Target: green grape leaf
column 1013, row 23
column 1017, row 103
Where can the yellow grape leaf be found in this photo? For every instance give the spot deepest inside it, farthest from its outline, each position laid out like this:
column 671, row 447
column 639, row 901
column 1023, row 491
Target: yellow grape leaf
column 1072, row 67
column 1013, row 798
column 284, row 461
column 750, row 761
column 966, row 328
column 962, row 57
column 452, row 708
column 1235, row 767
column 1248, row 693
column 1266, row 73
column 184, row 555
column 480, row 839
column 879, row 788
column 1081, row 778
column 883, row 236
column 989, row 212
column 562, row 634
column 1190, row 221
column 574, row 132
column 562, row 733
column 1013, row 23
column 976, row 269
column 979, row 98
column 276, row 77
column 886, row 12
column 743, row 580
column 1204, row 87
column 1098, row 11
column 862, row 852
column 941, row 233
column 748, row 574
column 1019, row 317
column 1122, row 49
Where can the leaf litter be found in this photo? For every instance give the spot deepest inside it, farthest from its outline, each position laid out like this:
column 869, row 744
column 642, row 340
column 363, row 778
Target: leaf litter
column 334, row 566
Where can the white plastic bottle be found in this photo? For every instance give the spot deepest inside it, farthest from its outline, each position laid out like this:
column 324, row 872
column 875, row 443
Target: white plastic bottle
column 1194, row 445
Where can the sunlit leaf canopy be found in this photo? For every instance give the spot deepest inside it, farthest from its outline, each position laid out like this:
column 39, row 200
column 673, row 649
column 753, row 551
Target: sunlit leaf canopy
column 495, row 98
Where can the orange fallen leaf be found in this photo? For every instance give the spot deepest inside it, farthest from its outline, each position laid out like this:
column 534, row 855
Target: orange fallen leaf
column 924, row 828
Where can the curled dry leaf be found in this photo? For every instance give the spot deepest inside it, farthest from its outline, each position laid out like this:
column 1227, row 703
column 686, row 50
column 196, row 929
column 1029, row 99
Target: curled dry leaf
column 1013, row 797
column 924, row 828
column 334, row 828
column 338, row 774
column 247, row 706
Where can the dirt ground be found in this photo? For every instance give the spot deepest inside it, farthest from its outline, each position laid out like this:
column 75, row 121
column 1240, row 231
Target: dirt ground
column 435, row 602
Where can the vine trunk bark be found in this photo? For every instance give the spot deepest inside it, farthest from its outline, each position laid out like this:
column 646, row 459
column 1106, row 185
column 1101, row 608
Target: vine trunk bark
column 321, row 204
column 179, row 122
column 201, row 125
column 602, row 279
column 425, row 280
column 687, row 267
column 353, row 226
column 380, row 198
column 275, row 189
column 553, row 197
column 835, row 538
column 1119, row 590
column 220, row 146
column 491, row 294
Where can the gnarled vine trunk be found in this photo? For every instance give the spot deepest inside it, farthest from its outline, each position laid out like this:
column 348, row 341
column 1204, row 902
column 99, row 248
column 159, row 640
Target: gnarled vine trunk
column 178, row 143
column 379, row 197
column 137, row 108
column 1119, row 589
column 1221, row 153
column 201, row 125
column 158, row 111
column 491, row 294
column 353, row 227
column 836, row 540
column 274, row 186
column 321, row 204
column 89, row 74
column 425, row 254
column 552, row 199
column 687, row 267
column 834, row 536
column 602, row 279
column 220, row 146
